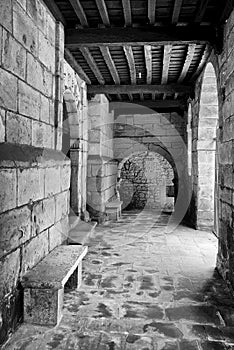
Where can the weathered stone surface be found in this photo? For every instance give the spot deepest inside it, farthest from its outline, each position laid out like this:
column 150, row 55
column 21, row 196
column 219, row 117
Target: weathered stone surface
column 42, row 134
column 8, row 189
column 43, row 215
column 46, row 52
column 62, row 205
column 58, row 233
column 15, row 229
column 13, row 55
column 45, row 109
column 8, row 90
column 34, row 251
column 18, row 129
column 30, row 185
column 55, row 269
column 2, row 125
column 38, row 76
column 6, row 14
column 52, row 181
column 10, row 268
column 29, row 101
column 25, row 31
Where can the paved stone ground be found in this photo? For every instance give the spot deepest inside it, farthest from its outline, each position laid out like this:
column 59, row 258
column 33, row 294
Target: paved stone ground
column 143, row 289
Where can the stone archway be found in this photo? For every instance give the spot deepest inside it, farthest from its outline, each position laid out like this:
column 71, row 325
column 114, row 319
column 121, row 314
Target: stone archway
column 206, row 150
column 147, row 181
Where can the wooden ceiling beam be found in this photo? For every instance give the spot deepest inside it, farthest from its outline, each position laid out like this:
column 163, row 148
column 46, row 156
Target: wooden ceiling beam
column 79, row 12
column 103, row 12
column 127, row 12
column 151, row 11
column 228, row 7
column 148, row 63
column 137, row 89
column 150, row 35
column 205, row 56
column 160, row 104
column 166, row 63
column 92, row 64
column 131, row 63
column 110, row 64
column 201, row 11
column 176, row 11
column 188, row 61
column 73, row 63
column 52, row 6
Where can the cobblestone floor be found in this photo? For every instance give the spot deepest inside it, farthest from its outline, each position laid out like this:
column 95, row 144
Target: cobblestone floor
column 143, row 289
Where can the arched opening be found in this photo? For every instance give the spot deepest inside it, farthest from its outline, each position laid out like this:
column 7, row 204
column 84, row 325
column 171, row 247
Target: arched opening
column 206, row 151
column 147, row 182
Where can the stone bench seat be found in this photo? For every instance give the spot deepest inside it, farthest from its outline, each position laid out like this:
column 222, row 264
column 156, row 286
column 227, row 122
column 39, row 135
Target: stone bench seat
column 113, row 209
column 44, row 284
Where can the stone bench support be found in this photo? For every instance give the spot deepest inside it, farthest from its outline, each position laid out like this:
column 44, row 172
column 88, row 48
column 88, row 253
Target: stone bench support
column 44, row 284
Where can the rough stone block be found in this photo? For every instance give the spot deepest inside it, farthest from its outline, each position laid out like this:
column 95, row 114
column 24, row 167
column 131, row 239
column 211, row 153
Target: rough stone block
column 18, row 129
column 43, row 215
column 42, row 134
column 8, row 90
column 2, row 125
column 38, row 76
column 46, row 53
column 30, row 185
column 25, row 30
column 8, row 189
column 15, row 229
column 65, row 177
column 43, row 306
column 62, row 205
column 10, row 268
column 45, row 109
column 22, row 3
column 52, row 181
column 29, row 101
column 6, row 14
column 36, row 10
column 34, row 251
column 13, row 55
column 58, row 233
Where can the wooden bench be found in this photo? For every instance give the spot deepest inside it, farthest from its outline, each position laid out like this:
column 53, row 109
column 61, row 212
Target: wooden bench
column 44, row 284
column 113, row 209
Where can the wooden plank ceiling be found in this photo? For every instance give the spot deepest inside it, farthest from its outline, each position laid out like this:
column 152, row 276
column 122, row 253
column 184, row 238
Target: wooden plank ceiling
column 140, row 50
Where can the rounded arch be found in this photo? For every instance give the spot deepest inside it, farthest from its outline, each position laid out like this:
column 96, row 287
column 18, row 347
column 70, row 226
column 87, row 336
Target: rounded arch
column 148, row 180
column 206, row 149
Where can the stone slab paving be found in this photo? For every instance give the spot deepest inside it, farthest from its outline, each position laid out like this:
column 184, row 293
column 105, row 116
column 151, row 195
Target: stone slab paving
column 143, row 289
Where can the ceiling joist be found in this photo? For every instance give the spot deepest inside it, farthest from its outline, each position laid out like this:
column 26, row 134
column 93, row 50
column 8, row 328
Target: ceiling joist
column 92, row 64
column 127, row 12
column 79, row 12
column 103, row 12
column 188, row 61
column 52, row 6
column 73, row 63
column 110, row 64
column 159, row 104
column 166, row 63
column 201, row 11
column 148, row 63
column 176, row 11
column 139, row 36
column 138, row 89
column 151, row 11
column 131, row 63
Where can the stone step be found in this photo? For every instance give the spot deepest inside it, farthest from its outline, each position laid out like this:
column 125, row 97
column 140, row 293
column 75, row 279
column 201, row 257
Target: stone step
column 80, row 232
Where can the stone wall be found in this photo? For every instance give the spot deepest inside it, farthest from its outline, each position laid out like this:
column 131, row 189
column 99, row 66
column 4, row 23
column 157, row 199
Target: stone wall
column 224, row 68
column 102, row 169
column 162, row 133
column 75, row 123
column 146, row 179
column 34, row 174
